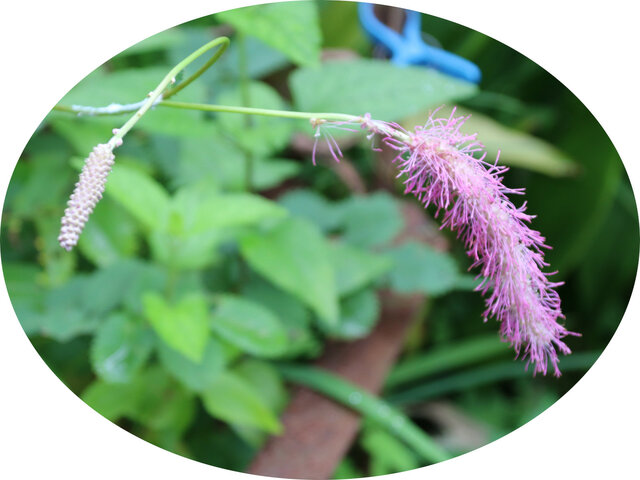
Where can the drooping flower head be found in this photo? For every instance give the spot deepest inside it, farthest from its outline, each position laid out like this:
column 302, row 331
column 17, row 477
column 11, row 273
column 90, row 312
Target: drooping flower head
column 88, row 191
column 446, row 168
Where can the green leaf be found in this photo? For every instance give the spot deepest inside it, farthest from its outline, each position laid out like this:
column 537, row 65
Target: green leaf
column 358, row 315
column 184, row 326
column 233, row 399
column 271, row 172
column 199, row 220
column 371, row 220
column 295, row 257
column 150, row 398
column 420, row 268
column 107, row 288
column 26, row 293
column 109, row 235
column 257, row 135
column 249, row 326
column 313, row 207
column 378, row 87
column 196, row 376
column 201, row 210
column 64, row 316
column 139, row 194
column 292, row 28
column 120, row 348
column 356, row 268
column 263, row 377
column 291, row 312
column 386, row 453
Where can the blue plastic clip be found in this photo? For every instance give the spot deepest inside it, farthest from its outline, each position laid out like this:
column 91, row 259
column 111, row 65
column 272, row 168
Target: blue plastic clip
column 410, row 49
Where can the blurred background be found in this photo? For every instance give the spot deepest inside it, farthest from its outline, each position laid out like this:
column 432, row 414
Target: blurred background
column 297, row 264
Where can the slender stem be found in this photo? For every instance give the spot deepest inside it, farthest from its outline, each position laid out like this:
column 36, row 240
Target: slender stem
column 367, row 405
column 205, row 107
column 156, row 95
column 442, row 359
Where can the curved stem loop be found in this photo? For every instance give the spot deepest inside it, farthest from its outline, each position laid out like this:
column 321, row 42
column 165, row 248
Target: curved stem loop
column 157, row 95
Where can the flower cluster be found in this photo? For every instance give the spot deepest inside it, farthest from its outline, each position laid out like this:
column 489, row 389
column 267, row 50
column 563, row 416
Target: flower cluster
column 446, row 168
column 85, row 196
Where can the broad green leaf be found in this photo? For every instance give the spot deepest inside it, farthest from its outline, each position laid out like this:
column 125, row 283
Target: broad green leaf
column 386, row 453
column 232, row 399
column 386, row 91
column 185, row 252
column 517, row 149
column 420, row 268
column 371, row 220
column 109, row 235
column 271, row 172
column 291, row 312
column 196, row 376
column 150, row 398
column 358, row 315
column 295, row 257
column 292, row 28
column 184, row 326
column 199, row 220
column 26, row 293
column 249, row 326
column 107, row 288
column 120, row 348
column 356, row 268
column 139, row 194
column 262, row 376
column 257, row 135
column 47, row 183
column 201, row 210
column 64, row 316
column 313, row 207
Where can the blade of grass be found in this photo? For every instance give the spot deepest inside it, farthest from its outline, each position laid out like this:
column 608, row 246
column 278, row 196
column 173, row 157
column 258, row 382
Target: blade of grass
column 368, row 406
column 482, row 376
column 445, row 358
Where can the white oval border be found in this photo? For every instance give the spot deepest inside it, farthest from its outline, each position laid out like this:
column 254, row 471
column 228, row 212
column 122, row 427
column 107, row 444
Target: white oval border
column 46, row 431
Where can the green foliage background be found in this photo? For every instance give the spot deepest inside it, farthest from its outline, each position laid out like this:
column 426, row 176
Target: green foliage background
column 219, row 252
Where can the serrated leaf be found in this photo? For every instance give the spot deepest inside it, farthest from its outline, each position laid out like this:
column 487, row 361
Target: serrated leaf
column 233, row 399
column 292, row 28
column 355, row 268
column 249, row 326
column 291, row 312
column 201, row 210
column 386, row 91
column 139, row 194
column 150, row 398
column 196, row 376
column 63, row 316
column 358, row 315
column 313, row 207
column 420, row 268
column 120, row 348
column 184, row 326
column 295, row 257
column 266, row 379
column 371, row 220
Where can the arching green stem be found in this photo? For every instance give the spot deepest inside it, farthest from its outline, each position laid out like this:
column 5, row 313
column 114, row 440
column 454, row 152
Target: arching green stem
column 367, row 405
column 156, row 95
